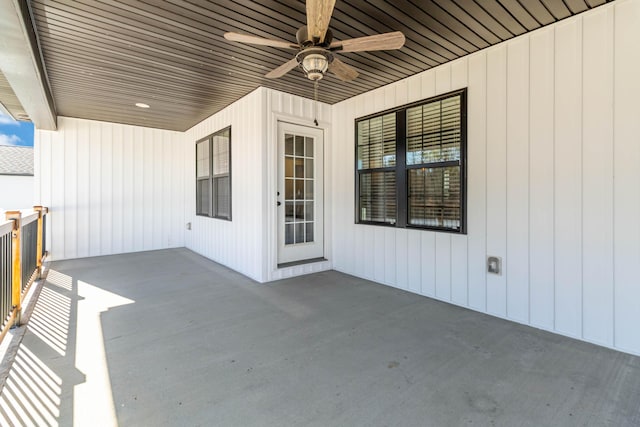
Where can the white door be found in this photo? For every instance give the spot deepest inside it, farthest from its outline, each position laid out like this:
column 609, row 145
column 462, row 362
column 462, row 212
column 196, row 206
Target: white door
column 300, row 193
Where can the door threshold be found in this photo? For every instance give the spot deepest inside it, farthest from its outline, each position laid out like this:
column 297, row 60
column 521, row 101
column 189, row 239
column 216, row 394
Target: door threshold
column 303, row 261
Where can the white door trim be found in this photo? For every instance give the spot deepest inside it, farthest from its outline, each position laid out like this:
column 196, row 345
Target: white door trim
column 270, row 221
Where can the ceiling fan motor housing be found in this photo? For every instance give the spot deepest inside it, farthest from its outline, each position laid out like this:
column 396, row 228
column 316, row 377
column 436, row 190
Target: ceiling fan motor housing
column 302, row 36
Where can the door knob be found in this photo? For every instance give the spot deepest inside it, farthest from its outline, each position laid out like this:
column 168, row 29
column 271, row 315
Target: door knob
column 279, row 203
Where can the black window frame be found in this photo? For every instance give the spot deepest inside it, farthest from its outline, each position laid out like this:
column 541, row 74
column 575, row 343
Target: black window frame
column 213, row 178
column 402, row 169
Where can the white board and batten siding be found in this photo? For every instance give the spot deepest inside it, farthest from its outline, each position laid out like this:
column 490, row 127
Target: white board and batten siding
column 238, row 243
column 111, row 188
column 553, row 183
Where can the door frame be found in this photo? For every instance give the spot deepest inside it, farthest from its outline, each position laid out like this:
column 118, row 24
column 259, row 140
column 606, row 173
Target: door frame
column 270, row 188
column 303, row 252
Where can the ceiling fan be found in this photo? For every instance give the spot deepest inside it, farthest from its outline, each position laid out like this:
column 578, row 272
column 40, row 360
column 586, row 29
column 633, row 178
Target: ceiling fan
column 316, row 47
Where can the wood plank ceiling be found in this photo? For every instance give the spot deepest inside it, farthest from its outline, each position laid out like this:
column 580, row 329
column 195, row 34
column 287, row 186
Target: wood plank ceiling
column 104, row 56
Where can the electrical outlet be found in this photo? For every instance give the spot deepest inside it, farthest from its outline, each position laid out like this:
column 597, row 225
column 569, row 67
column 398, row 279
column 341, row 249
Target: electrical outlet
column 494, row 265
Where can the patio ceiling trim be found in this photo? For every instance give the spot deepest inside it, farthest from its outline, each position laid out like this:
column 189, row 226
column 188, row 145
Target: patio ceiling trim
column 21, row 63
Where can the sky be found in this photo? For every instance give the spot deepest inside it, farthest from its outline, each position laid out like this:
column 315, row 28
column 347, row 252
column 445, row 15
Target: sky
column 15, row 133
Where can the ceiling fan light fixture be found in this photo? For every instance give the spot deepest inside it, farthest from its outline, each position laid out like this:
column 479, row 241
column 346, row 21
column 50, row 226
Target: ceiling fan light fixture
column 315, row 65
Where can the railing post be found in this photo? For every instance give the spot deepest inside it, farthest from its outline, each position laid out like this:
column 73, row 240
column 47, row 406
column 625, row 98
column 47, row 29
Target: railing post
column 16, row 262
column 40, row 210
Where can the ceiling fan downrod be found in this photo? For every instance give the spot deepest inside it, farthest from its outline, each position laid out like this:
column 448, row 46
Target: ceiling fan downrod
column 315, row 101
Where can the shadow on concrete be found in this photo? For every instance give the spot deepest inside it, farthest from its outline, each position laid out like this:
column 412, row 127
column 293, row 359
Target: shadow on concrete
column 59, row 374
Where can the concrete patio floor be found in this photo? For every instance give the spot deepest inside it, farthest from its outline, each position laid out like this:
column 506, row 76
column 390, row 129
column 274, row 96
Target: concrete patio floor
column 168, row 338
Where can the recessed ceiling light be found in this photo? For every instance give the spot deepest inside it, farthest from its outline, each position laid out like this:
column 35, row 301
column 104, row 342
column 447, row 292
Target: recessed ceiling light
column 142, row 105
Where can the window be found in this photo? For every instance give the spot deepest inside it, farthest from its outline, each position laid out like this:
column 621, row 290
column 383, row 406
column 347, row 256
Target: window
column 213, row 175
column 410, row 165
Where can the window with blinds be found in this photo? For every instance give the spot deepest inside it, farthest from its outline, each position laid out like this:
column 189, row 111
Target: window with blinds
column 410, row 165
column 376, row 159
column 213, row 175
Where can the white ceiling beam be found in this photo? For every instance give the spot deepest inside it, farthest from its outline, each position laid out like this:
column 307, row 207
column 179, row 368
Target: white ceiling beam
column 21, row 63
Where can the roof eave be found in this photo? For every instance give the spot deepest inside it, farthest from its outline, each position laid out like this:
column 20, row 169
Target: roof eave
column 21, row 63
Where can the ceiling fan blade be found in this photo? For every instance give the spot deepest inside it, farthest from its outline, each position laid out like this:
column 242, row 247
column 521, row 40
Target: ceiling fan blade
column 318, row 17
column 283, row 69
column 385, row 41
column 245, row 38
column 343, row 71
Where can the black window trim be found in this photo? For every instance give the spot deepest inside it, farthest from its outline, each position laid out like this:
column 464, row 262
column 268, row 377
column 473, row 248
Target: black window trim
column 212, row 177
column 401, row 167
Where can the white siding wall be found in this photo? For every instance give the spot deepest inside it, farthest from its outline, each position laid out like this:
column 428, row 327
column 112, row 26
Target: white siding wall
column 111, row 188
column 553, row 183
column 237, row 244
column 248, row 243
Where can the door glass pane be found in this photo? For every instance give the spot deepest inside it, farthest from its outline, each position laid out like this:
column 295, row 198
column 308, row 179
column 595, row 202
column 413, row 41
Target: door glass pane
column 299, row 168
column 308, row 147
column 309, row 193
column 308, row 168
column 309, row 234
column 299, row 146
column 288, row 144
column 288, row 234
column 288, row 189
column 299, row 232
column 288, row 167
column 308, row 211
column 288, row 211
column 299, row 211
column 299, row 189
